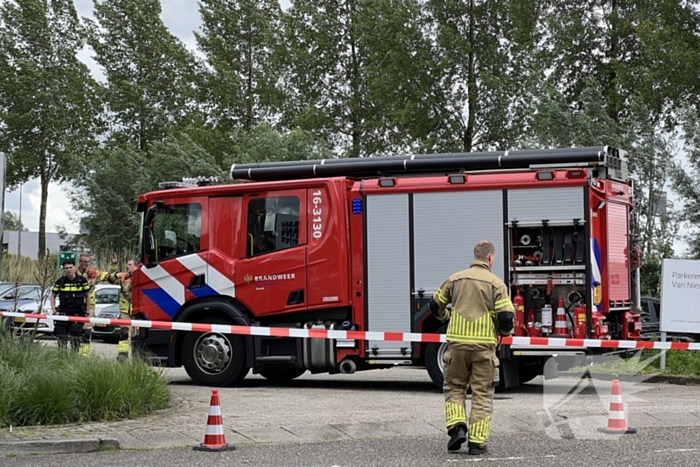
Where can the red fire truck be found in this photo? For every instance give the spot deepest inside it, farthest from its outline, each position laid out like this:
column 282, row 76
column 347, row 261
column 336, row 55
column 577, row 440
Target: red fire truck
column 362, row 244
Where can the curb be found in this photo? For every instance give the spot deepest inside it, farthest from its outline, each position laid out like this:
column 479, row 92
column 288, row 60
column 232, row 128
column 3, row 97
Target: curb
column 56, row 446
column 677, row 380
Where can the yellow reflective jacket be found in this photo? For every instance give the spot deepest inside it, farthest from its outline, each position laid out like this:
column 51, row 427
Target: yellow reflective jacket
column 124, row 280
column 94, row 276
column 477, row 296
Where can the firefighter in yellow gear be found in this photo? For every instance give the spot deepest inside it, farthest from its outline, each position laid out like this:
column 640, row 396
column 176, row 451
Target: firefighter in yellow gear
column 481, row 309
column 123, row 279
column 93, row 276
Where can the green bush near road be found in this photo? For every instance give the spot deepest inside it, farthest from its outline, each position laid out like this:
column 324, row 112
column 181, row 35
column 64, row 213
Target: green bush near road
column 42, row 385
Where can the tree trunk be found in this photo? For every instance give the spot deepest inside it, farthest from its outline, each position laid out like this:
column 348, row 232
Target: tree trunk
column 613, row 104
column 45, row 178
column 356, row 99
column 248, row 123
column 471, row 85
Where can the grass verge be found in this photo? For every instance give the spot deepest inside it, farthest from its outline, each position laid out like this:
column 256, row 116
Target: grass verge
column 682, row 363
column 43, row 385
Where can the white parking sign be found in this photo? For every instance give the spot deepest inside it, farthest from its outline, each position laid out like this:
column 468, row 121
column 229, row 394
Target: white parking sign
column 680, row 296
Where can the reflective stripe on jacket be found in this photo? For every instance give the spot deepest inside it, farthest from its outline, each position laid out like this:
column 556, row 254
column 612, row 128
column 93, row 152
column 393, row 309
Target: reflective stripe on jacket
column 71, row 293
column 94, row 276
column 477, row 296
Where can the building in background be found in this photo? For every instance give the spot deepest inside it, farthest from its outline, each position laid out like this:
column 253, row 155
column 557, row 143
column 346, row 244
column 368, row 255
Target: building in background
column 30, row 242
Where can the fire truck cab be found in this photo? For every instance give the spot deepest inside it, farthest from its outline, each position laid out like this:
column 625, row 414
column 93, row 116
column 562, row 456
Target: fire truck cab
column 363, row 244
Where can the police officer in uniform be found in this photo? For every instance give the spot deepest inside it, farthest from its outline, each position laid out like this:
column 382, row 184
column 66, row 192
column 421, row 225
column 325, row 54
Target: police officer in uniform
column 72, row 290
column 481, row 308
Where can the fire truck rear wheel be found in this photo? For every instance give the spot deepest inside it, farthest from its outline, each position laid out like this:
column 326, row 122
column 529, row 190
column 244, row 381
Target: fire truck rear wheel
column 214, row 359
column 433, row 359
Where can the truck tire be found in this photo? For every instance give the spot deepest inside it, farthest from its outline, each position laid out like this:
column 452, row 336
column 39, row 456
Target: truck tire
column 213, row 359
column 528, row 370
column 281, row 375
column 435, row 365
column 433, row 359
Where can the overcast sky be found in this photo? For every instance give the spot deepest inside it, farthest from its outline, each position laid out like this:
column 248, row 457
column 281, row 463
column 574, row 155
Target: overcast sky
column 182, row 17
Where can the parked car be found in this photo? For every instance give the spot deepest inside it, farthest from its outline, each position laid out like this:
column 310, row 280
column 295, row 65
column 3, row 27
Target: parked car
column 109, row 332
column 30, row 302
column 105, row 296
column 11, row 290
column 107, row 306
column 651, row 323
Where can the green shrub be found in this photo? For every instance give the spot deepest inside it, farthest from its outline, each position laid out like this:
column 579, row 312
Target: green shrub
column 683, row 362
column 43, row 385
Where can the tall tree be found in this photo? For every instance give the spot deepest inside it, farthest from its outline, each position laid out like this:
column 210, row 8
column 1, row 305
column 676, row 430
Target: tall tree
column 640, row 57
column 399, row 77
column 150, row 73
column 359, row 73
column 644, row 47
column 239, row 40
column 48, row 102
column 10, row 221
column 484, row 54
column 325, row 61
column 685, row 180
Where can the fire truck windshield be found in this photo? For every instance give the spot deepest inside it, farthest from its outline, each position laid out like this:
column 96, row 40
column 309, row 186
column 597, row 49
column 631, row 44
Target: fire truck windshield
column 177, row 230
column 171, row 230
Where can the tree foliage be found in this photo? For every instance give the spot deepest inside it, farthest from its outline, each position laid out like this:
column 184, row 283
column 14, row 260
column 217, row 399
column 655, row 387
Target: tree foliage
column 150, row 73
column 10, row 221
column 625, row 47
column 483, row 52
column 685, row 180
column 108, row 194
column 48, row 99
column 629, row 67
column 240, row 41
column 348, row 78
column 325, row 63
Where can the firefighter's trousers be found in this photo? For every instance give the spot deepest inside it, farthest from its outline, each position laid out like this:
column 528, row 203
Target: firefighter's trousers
column 470, row 365
column 124, row 347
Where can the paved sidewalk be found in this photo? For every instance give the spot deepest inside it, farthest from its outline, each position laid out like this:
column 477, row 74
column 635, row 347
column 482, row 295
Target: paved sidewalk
column 377, row 404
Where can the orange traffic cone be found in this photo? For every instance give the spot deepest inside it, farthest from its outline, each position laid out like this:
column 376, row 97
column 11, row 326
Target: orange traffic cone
column 560, row 327
column 214, row 439
column 616, row 419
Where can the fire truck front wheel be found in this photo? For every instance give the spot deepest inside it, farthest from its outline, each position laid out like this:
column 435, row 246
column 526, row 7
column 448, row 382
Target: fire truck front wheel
column 214, row 359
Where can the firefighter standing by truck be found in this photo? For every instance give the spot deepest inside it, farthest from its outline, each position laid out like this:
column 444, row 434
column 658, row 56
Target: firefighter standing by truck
column 481, row 308
column 123, row 279
column 72, row 290
column 93, row 276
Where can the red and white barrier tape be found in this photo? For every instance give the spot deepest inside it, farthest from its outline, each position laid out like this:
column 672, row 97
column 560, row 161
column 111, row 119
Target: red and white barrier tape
column 358, row 335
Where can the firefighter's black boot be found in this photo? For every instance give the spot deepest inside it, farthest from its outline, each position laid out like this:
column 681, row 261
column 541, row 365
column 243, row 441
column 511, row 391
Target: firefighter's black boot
column 475, row 449
column 458, row 435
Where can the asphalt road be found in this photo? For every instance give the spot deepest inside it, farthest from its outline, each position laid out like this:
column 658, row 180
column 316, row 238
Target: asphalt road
column 653, row 446
column 380, row 404
column 391, row 417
